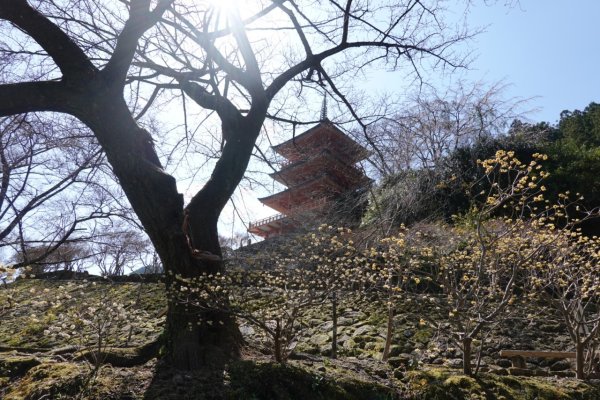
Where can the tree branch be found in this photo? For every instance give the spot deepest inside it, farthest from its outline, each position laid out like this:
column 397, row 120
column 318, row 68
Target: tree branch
column 20, row 98
column 71, row 60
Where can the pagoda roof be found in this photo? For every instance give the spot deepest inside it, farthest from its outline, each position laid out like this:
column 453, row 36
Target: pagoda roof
column 298, row 143
column 296, row 195
column 289, row 174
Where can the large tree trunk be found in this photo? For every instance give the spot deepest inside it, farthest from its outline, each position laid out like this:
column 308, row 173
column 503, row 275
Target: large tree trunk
column 199, row 338
column 196, row 338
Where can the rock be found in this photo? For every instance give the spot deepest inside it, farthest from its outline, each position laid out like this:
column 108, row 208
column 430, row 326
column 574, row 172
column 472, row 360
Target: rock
column 560, row 365
column 349, row 344
column 551, row 328
column 341, row 339
column 325, row 350
column 395, row 350
column 500, row 371
column 401, row 361
column 363, row 330
column 247, row 330
column 454, row 363
column 360, row 339
column 319, row 339
column 408, row 348
column 372, row 346
column 15, row 365
column 327, row 326
column 381, row 373
column 438, row 361
column 322, row 369
column 520, row 371
column 408, row 333
column 398, row 374
column 504, row 363
column 450, row 353
column 563, row 374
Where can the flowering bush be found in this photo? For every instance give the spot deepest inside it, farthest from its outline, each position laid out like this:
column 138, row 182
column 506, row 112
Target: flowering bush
column 101, row 323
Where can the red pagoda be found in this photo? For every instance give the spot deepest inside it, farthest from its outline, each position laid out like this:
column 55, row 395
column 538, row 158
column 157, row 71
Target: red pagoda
column 319, row 167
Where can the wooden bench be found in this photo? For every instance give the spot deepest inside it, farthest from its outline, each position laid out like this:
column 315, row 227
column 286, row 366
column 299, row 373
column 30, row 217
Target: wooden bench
column 517, row 357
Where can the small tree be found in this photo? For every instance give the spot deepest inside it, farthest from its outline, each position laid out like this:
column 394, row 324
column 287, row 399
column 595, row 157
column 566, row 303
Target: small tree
column 69, row 256
column 103, row 322
column 565, row 275
column 479, row 276
column 118, row 249
column 331, row 254
column 273, row 300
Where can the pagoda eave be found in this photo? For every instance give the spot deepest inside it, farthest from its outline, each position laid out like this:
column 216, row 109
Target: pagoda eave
column 283, row 201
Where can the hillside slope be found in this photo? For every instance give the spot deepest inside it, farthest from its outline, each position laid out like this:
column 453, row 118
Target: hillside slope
column 44, row 348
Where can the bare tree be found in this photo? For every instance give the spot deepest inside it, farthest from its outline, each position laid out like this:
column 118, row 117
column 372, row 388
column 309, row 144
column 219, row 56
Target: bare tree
column 232, row 63
column 432, row 124
column 45, row 200
column 119, row 249
column 69, row 256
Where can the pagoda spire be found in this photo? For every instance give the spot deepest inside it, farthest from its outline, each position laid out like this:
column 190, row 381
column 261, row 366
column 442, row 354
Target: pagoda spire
column 324, row 109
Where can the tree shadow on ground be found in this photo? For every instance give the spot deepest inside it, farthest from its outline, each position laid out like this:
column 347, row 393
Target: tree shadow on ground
column 168, row 383
column 252, row 380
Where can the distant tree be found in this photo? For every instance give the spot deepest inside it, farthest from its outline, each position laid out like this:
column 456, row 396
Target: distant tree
column 575, row 156
column 434, row 124
column 411, row 196
column 581, row 127
column 118, row 250
column 46, row 192
column 69, row 256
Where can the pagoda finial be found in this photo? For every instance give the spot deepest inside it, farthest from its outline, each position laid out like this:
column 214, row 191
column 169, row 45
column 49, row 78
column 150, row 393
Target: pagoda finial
column 324, row 108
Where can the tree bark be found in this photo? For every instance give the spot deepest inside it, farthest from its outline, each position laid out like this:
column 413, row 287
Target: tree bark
column 277, row 343
column 467, row 356
column 580, row 360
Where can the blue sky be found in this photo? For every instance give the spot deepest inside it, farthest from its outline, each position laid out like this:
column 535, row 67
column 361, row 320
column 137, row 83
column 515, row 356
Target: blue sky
column 544, row 48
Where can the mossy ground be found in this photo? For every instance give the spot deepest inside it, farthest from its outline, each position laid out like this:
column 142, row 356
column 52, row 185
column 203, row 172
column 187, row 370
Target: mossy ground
column 443, row 384
column 36, row 368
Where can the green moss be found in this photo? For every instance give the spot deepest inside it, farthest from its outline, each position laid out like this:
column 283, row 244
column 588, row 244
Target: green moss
column 48, row 380
column 423, row 335
column 4, row 382
column 440, row 384
column 11, row 366
column 24, row 323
